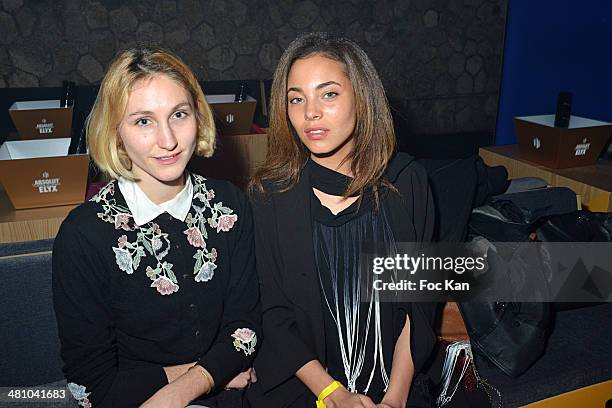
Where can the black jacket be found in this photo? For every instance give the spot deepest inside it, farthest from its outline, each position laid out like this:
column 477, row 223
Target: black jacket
column 292, row 315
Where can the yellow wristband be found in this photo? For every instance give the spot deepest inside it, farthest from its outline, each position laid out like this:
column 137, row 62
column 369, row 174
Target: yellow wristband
column 327, row 392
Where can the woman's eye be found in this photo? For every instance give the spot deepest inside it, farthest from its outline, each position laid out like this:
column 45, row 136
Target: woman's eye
column 329, row 95
column 180, row 114
column 143, row 122
column 295, row 101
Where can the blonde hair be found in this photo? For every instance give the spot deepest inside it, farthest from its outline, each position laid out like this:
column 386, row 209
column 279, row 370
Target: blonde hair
column 374, row 133
column 127, row 68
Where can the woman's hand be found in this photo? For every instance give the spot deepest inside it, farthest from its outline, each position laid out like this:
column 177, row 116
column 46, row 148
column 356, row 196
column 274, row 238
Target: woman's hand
column 342, row 398
column 402, row 372
column 387, row 402
column 316, row 378
column 242, row 380
column 194, row 382
column 165, row 398
column 174, row 372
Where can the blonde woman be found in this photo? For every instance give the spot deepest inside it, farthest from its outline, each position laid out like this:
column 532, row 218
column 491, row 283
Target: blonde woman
column 154, row 279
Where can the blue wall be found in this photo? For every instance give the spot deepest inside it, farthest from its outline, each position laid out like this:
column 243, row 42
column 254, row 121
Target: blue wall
column 553, row 46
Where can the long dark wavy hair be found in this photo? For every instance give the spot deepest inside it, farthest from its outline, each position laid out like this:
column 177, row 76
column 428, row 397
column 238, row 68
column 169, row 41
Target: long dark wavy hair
column 374, row 137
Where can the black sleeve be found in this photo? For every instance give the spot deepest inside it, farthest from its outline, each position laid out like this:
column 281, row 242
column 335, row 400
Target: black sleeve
column 240, row 335
column 283, row 351
column 81, row 296
column 414, row 189
column 416, row 193
column 424, row 209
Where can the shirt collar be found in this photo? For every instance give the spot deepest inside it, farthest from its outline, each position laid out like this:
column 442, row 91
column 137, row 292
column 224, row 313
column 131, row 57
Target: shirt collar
column 144, row 210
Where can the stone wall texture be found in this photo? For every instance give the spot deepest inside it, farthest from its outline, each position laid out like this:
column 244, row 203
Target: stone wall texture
column 440, row 60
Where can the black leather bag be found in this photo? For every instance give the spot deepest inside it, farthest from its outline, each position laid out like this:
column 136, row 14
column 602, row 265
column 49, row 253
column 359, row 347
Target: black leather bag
column 577, row 226
column 512, row 336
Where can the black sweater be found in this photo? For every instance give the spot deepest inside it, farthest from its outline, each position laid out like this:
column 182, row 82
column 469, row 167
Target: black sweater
column 131, row 300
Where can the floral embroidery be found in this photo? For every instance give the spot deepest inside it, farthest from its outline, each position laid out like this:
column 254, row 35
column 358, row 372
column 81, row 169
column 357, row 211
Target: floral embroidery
column 206, row 272
column 121, row 221
column 164, row 285
column 226, row 222
column 124, row 259
column 150, row 240
column 80, row 394
column 245, row 340
column 195, row 238
column 222, row 218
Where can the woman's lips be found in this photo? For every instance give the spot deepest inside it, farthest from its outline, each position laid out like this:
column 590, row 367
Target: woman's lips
column 169, row 159
column 316, row 133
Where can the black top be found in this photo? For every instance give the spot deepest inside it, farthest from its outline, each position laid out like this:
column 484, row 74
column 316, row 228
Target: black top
column 293, row 316
column 130, row 300
column 338, row 243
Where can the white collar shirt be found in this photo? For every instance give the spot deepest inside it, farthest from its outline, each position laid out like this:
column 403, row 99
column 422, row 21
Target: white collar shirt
column 144, row 210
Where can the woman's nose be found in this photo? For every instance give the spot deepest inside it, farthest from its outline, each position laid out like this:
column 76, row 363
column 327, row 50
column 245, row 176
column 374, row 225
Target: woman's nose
column 312, row 111
column 166, row 139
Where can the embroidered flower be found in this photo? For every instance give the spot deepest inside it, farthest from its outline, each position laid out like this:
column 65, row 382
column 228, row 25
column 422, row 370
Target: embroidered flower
column 122, row 241
column 195, row 238
column 121, row 221
column 151, row 241
column 80, row 394
column 124, row 260
column 245, row 339
column 245, row 335
column 156, row 243
column 212, row 222
column 77, row 391
column 226, row 222
column 206, row 272
column 164, row 285
column 151, row 273
column 105, row 218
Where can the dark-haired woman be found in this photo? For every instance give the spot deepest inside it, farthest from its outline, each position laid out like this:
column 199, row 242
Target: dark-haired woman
column 331, row 182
